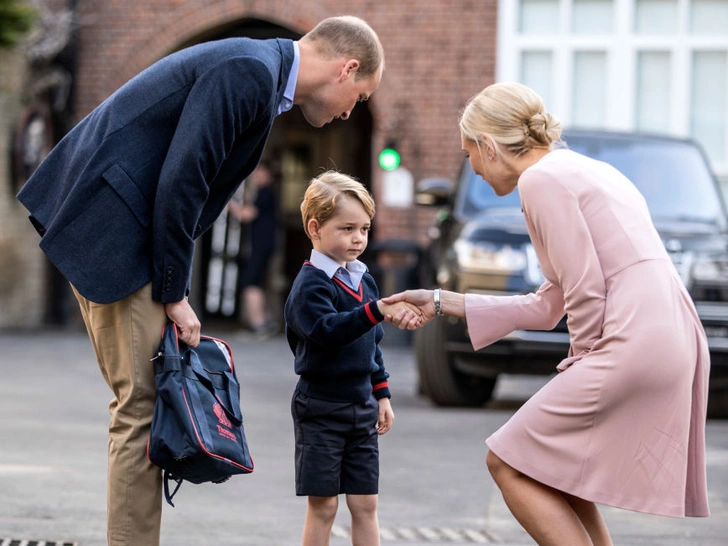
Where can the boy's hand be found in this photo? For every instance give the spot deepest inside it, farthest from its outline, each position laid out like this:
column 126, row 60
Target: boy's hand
column 386, row 416
column 407, row 313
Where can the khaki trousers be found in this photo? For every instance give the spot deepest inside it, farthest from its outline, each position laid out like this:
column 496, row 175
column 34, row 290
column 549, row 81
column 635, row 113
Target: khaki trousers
column 125, row 336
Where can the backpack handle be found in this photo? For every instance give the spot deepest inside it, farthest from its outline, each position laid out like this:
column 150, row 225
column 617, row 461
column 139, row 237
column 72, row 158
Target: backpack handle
column 232, row 406
column 173, row 345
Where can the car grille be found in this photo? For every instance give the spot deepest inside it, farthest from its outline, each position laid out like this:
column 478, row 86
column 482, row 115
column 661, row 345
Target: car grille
column 700, row 291
column 709, row 293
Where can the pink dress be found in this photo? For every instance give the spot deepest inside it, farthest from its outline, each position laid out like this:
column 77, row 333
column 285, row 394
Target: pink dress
column 623, row 423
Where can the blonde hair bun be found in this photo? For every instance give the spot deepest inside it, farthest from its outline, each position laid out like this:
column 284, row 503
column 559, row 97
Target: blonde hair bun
column 513, row 115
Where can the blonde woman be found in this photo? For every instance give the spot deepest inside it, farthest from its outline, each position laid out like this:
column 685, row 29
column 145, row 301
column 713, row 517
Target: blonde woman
column 623, row 423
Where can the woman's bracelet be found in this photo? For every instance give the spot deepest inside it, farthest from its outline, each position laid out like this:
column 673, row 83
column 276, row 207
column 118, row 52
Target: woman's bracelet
column 437, row 300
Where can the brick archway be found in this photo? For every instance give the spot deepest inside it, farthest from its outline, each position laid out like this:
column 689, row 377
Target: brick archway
column 113, row 60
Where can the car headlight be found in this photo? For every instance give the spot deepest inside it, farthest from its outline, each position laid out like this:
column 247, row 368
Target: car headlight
column 707, row 269
column 489, row 257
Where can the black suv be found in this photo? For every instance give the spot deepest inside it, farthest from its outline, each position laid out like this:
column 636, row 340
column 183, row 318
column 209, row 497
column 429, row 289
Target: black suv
column 479, row 244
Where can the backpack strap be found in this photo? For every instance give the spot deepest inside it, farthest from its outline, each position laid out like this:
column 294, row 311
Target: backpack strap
column 167, row 477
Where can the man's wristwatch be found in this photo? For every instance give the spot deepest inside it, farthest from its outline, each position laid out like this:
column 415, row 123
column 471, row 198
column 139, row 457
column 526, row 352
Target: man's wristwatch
column 437, row 300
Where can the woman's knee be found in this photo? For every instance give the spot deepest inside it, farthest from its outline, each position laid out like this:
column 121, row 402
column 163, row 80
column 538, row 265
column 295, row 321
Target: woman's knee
column 496, row 466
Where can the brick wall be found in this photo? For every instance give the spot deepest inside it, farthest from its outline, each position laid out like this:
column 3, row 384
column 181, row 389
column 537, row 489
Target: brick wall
column 438, row 54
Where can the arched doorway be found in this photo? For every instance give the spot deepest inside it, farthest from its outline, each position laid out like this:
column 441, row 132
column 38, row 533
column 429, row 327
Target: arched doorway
column 296, row 152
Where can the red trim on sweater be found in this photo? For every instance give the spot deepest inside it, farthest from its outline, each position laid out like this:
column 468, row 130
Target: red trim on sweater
column 382, row 385
column 359, row 296
column 371, row 316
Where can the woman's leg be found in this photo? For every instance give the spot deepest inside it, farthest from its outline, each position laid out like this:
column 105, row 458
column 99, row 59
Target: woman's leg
column 545, row 513
column 255, row 307
column 364, row 522
column 592, row 519
column 319, row 520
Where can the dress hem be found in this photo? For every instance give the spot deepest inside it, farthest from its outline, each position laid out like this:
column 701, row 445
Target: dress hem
column 537, row 474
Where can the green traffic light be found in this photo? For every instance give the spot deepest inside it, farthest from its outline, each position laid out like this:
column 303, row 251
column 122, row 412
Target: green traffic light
column 389, row 159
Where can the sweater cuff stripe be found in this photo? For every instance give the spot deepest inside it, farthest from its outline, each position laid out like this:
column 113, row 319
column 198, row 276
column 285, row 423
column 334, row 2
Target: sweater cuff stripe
column 371, row 312
column 382, row 385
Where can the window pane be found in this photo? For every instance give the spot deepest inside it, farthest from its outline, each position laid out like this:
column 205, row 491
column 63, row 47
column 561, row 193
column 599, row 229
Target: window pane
column 656, row 16
column 709, row 17
column 653, row 91
column 539, row 17
column 709, row 102
column 592, row 17
column 590, row 88
column 536, row 73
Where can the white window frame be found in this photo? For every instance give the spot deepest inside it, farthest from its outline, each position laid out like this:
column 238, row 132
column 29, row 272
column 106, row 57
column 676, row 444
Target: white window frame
column 622, row 47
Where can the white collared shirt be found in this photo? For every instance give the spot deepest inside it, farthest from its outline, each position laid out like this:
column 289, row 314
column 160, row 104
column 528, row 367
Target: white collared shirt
column 287, row 100
column 351, row 274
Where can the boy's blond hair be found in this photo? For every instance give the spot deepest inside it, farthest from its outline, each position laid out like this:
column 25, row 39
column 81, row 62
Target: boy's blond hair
column 324, row 193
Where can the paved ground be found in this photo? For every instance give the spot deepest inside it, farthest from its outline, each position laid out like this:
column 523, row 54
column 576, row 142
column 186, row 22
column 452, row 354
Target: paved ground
column 434, row 486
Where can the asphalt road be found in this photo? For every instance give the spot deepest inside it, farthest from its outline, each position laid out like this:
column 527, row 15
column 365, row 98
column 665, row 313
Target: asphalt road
column 434, row 485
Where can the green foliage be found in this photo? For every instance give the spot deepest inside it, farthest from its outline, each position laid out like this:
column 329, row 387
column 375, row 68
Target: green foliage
column 16, row 18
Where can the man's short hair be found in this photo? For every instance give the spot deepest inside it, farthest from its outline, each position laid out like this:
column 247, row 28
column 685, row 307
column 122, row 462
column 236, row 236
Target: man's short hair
column 351, row 37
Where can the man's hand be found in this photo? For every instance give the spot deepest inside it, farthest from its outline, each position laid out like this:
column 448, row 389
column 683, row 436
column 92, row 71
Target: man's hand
column 182, row 314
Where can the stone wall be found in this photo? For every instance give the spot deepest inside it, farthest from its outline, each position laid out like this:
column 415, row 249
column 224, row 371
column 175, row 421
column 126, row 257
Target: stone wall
column 22, row 265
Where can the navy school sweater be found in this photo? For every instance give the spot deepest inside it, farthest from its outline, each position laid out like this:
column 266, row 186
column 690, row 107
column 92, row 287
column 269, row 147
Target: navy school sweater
column 334, row 333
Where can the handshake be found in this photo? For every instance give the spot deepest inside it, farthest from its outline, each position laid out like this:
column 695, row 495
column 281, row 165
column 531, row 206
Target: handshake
column 409, row 310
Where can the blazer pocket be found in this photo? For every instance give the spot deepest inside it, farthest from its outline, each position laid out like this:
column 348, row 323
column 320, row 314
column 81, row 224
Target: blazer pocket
column 129, row 192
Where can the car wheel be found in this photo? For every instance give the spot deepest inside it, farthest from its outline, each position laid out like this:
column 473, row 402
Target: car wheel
column 718, row 394
column 437, row 377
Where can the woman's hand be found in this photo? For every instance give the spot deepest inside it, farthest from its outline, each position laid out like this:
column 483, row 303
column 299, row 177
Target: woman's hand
column 406, row 313
column 422, row 299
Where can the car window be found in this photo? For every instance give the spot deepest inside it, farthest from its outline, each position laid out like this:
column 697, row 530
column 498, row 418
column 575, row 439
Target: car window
column 672, row 176
column 476, row 195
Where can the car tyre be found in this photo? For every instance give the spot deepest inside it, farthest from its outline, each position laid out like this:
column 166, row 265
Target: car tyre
column 438, row 378
column 718, row 394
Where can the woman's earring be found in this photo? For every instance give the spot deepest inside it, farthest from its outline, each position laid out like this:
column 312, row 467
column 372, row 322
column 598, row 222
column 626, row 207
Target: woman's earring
column 490, row 158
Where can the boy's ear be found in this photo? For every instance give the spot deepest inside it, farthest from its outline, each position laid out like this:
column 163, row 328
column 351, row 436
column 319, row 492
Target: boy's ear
column 313, row 228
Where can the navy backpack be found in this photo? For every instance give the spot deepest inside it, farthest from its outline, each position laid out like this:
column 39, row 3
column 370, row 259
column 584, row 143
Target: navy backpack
column 197, row 428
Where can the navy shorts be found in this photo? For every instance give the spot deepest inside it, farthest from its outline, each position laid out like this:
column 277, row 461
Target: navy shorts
column 337, row 446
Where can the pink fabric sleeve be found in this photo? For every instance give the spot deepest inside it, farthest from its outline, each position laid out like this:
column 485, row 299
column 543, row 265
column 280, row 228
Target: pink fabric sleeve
column 567, row 255
column 490, row 318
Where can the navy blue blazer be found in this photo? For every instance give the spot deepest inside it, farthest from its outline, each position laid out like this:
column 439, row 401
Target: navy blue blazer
column 121, row 199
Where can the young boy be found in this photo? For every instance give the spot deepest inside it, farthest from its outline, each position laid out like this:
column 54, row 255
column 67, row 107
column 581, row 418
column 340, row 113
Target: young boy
column 333, row 315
